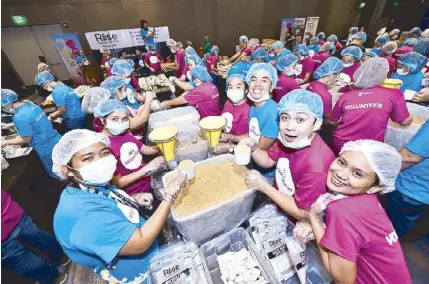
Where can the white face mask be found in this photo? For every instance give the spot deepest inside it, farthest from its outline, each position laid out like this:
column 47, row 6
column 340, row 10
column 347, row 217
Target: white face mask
column 264, row 98
column 117, row 128
column 188, row 75
column 123, row 95
column 127, row 80
column 401, row 71
column 49, row 89
column 98, row 173
column 347, row 64
column 153, row 52
column 301, row 57
column 291, row 72
column 235, row 96
column 172, row 50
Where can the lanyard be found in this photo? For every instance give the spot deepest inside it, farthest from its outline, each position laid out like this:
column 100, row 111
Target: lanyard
column 117, row 197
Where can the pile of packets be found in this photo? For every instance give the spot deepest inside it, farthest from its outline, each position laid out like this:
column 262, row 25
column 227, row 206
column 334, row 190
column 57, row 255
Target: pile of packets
column 286, row 256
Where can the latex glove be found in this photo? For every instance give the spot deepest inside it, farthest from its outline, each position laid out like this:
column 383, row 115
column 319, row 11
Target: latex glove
column 422, row 96
column 143, row 199
column 148, row 97
column 303, row 232
column 154, row 165
column 4, row 143
column 299, row 81
column 253, row 145
column 224, row 137
column 255, row 180
column 322, row 201
column 174, row 186
column 221, row 148
column 50, row 117
column 164, row 104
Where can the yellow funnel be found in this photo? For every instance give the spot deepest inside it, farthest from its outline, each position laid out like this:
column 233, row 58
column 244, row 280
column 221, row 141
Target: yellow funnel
column 212, row 126
column 392, row 83
column 165, row 138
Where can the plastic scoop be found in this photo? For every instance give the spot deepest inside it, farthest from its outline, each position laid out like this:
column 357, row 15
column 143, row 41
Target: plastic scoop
column 165, row 139
column 212, row 126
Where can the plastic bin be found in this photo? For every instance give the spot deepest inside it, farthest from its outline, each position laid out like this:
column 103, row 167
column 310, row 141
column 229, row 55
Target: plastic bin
column 196, row 152
column 216, row 220
column 232, row 241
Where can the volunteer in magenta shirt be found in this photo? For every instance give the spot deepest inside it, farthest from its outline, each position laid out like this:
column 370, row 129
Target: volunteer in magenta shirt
column 206, row 99
column 322, row 90
column 149, row 58
column 308, row 66
column 211, row 61
column 126, row 149
column 11, row 214
column 402, row 50
column 358, row 229
column 392, row 63
column 180, row 59
column 319, row 58
column 240, row 115
column 285, row 84
column 351, row 70
column 246, row 50
column 364, row 114
column 309, row 169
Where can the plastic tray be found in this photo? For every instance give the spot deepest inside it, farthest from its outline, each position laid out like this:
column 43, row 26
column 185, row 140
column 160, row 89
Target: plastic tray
column 233, row 241
column 216, row 220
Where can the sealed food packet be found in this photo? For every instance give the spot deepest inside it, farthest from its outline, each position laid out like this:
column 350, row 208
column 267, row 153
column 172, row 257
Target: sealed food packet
column 299, row 258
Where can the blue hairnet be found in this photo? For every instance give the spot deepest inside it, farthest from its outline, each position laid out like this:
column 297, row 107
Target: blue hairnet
column 416, row 31
column 332, row 38
column 353, row 30
column 330, row 66
column 285, row 62
column 359, row 35
column 206, row 56
column 113, row 84
column 122, row 67
column 112, row 61
column 422, row 47
column 244, row 39
column 190, row 50
column 321, row 35
column 214, row 50
column 410, row 42
column 8, row 97
column 236, row 76
column 313, row 40
column 414, row 61
column 151, row 47
column 352, row 50
column 193, row 57
column 44, row 77
column 382, row 39
column 301, row 49
column 272, row 72
column 277, row 44
column 200, row 72
column 302, row 100
column 259, row 53
column 106, row 107
column 369, row 53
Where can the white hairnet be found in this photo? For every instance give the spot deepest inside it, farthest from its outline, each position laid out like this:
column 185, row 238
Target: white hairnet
column 383, row 158
column 171, row 43
column 389, row 48
column 371, row 73
column 93, row 97
column 43, row 67
column 425, row 34
column 71, row 143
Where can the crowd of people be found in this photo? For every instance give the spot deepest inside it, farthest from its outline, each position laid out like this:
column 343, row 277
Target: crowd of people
column 277, row 101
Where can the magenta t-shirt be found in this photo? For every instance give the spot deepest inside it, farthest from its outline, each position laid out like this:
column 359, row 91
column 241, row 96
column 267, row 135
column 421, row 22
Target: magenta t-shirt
column 307, row 67
column 364, row 114
column 246, row 50
column 338, row 46
column 211, row 60
column 180, row 59
column 11, row 214
column 401, row 51
column 351, row 70
column 126, row 149
column 319, row 58
column 206, row 99
column 358, row 229
column 392, row 64
column 240, row 115
column 309, row 169
column 154, row 57
column 322, row 90
column 285, row 84
column 320, row 42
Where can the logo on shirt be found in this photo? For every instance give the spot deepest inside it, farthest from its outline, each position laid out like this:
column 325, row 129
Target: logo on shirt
column 360, row 94
column 215, row 96
column 392, row 238
column 363, row 106
column 130, row 156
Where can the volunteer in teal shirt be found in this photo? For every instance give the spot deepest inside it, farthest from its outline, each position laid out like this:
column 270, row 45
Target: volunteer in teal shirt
column 98, row 225
column 66, row 100
column 33, row 127
column 409, row 70
column 408, row 202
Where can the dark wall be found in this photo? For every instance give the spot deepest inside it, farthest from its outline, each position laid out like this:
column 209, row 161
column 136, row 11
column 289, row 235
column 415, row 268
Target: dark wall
column 223, row 20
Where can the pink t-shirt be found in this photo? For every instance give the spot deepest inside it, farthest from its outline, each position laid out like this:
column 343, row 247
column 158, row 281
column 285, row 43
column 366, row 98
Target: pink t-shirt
column 319, row 58
column 11, row 214
column 307, row 66
column 156, row 58
column 338, row 46
column 180, row 59
column 211, row 61
column 351, row 70
column 364, row 114
column 320, row 42
column 135, row 84
column 392, row 64
column 401, row 51
column 186, row 70
column 246, row 50
column 309, row 169
column 240, row 115
column 358, row 229
column 126, row 149
column 206, row 99
column 285, row 84
column 322, row 90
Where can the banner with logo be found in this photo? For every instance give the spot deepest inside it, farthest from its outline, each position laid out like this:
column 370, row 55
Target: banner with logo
column 286, row 25
column 310, row 27
column 68, row 46
column 113, row 39
column 299, row 29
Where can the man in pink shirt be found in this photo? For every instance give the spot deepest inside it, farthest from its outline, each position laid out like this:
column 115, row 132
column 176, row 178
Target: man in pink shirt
column 306, row 64
column 205, row 96
column 388, row 50
column 179, row 63
column 363, row 113
column 211, row 62
column 323, row 54
column 286, row 83
column 358, row 243
column 245, row 50
column 350, row 57
column 325, row 75
column 153, row 60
